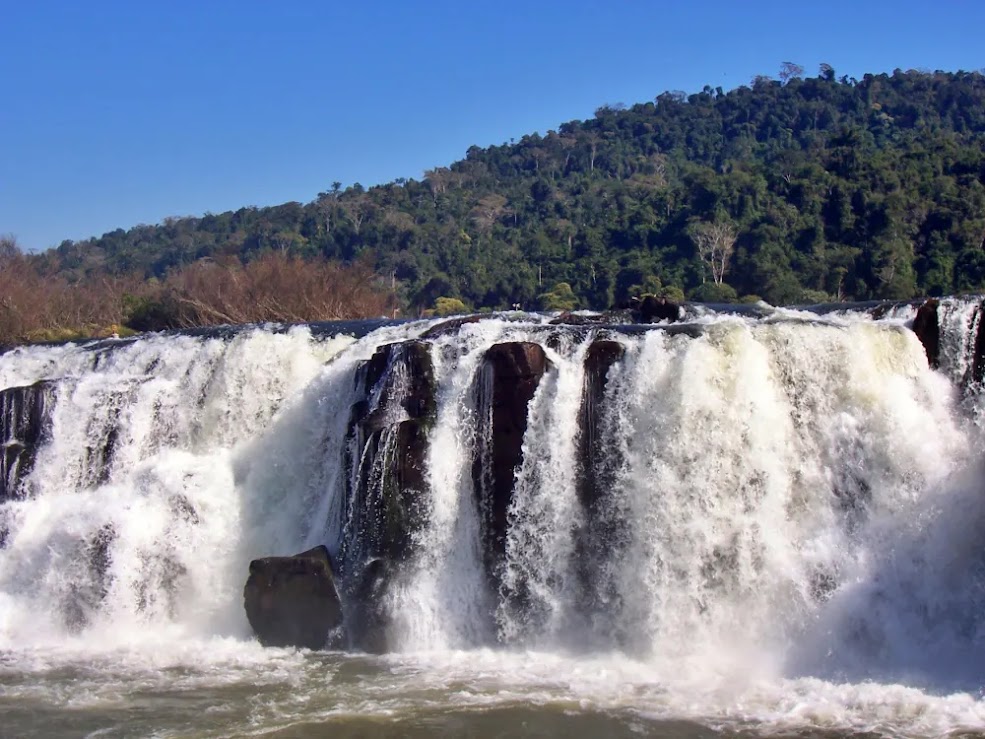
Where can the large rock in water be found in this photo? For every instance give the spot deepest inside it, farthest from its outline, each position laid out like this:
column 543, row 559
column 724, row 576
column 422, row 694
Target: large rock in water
column 510, row 375
column 654, row 309
column 292, row 601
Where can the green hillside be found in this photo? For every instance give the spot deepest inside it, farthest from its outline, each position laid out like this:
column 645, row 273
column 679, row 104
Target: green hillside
column 800, row 190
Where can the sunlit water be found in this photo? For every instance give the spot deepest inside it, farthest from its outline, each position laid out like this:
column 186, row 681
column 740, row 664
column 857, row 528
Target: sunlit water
column 798, row 507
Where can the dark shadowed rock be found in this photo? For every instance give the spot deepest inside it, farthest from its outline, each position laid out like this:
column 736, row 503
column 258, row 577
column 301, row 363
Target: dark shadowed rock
column 599, row 359
column 24, row 419
column 580, row 319
column 292, row 601
column 390, row 488
column 978, row 362
column 386, row 486
column 654, row 309
column 450, row 326
column 370, row 620
column 401, row 374
column 601, row 536
column 927, row 329
column 508, row 379
column 385, row 461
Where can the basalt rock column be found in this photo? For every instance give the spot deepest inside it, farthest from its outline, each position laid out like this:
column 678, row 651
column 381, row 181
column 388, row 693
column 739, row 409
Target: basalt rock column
column 386, row 485
column 599, row 359
column 599, row 536
column 507, row 381
column 387, row 447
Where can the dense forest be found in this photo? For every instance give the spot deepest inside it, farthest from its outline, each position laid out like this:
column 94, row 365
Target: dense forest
column 799, row 189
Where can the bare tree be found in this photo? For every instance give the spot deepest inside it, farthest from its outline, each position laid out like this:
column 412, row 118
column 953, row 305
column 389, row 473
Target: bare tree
column 326, row 207
column 715, row 241
column 489, row 210
column 593, row 141
column 438, row 180
column 8, row 247
column 568, row 144
column 789, row 71
column 356, row 208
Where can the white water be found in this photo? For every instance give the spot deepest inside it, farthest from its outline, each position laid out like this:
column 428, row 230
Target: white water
column 800, row 507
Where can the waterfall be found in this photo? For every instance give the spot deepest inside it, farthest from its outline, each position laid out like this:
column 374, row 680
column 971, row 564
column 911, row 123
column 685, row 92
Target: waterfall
column 794, row 490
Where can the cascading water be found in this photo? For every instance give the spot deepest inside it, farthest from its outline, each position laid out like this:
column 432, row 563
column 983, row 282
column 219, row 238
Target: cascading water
column 772, row 522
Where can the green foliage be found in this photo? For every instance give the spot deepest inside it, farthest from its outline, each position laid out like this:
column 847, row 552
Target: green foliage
column 711, row 292
column 814, row 297
column 146, row 314
column 560, row 297
column 672, row 293
column 853, row 189
column 649, row 286
column 449, row 306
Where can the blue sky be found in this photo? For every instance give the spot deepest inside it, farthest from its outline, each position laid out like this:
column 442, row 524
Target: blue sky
column 119, row 113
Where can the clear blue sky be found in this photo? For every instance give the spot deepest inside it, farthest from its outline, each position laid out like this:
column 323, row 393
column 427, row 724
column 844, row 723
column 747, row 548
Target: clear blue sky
column 119, row 113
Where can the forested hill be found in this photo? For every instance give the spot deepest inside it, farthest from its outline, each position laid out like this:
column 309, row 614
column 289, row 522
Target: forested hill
column 803, row 189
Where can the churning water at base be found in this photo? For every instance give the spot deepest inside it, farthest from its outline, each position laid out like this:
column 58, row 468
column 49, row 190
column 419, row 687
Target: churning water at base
column 783, row 535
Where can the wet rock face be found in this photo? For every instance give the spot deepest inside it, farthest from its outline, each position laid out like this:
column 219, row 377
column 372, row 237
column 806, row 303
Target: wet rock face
column 388, row 433
column 450, row 326
column 370, row 621
column 601, row 535
column 401, row 374
column 927, row 329
column 24, row 417
column 599, row 359
column 510, row 375
column 292, row 601
column 386, row 486
column 978, row 361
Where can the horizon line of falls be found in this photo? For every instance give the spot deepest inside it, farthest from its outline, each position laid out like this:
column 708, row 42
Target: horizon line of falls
column 794, row 491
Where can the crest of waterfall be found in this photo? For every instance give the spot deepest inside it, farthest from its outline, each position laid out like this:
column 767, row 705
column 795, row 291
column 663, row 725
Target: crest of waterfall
column 794, row 490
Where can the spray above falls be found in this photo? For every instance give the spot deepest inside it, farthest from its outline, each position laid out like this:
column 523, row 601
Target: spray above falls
column 801, row 486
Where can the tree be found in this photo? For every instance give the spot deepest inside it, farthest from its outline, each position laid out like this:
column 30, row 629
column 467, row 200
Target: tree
column 449, row 306
column 488, row 211
column 356, row 208
column 789, row 71
column 8, row 247
column 438, row 180
column 560, row 297
column 715, row 242
column 325, row 208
